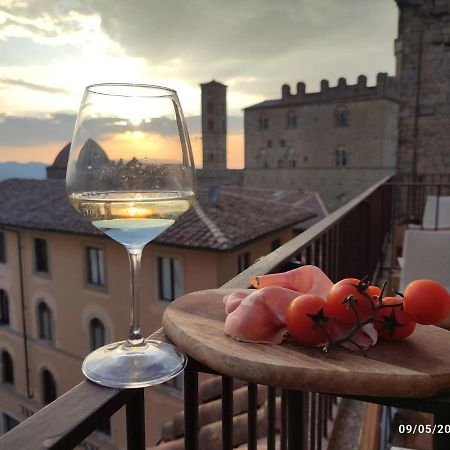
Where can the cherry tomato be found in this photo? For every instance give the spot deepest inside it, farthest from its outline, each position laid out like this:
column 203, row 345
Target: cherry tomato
column 396, row 324
column 374, row 292
column 346, row 291
column 305, row 319
column 426, row 302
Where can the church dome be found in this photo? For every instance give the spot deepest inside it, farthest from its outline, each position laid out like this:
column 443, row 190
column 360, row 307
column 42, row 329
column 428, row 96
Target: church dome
column 58, row 168
column 62, row 158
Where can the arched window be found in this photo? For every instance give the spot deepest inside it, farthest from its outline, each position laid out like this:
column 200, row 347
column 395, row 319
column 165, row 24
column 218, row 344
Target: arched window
column 4, row 308
column 7, row 368
column 48, row 387
column 45, row 322
column 341, row 117
column 96, row 333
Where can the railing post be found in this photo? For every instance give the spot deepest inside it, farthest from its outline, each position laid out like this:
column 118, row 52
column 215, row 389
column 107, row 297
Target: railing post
column 441, row 435
column 295, row 424
column 271, row 417
column 252, row 422
column 190, row 407
column 227, row 412
column 135, row 412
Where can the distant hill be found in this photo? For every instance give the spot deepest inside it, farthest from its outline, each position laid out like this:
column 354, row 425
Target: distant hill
column 22, row 170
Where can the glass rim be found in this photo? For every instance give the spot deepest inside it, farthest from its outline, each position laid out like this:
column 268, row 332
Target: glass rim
column 163, row 91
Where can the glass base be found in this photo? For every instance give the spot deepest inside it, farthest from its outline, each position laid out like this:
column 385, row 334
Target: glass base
column 120, row 366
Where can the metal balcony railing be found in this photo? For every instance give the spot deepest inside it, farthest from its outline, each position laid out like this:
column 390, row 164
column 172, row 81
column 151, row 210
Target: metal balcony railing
column 349, row 242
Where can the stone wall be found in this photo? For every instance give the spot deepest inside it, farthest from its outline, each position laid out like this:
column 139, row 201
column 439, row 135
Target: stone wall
column 339, row 157
column 423, row 68
column 214, row 125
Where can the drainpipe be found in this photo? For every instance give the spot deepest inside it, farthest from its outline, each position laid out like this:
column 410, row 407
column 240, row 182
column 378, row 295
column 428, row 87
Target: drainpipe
column 22, row 303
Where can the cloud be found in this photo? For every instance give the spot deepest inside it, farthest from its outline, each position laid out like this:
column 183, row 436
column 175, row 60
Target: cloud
column 18, row 131
column 267, row 41
column 33, row 86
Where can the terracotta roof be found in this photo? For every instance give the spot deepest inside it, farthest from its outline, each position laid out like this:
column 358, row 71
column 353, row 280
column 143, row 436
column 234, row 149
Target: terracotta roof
column 238, row 215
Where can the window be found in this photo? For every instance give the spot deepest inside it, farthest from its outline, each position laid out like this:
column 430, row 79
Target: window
column 341, row 157
column 210, row 107
column 48, row 387
column 9, row 422
column 280, row 163
column 2, row 248
column 7, row 368
column 275, row 244
column 282, row 143
column 45, row 322
column 96, row 334
column 210, row 125
column 341, row 117
column 40, row 255
column 269, row 143
column 291, row 120
column 4, row 308
column 169, row 278
column 243, row 261
column 95, row 266
column 263, row 123
column 292, row 163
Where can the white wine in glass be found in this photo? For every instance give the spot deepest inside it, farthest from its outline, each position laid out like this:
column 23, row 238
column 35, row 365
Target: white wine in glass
column 131, row 173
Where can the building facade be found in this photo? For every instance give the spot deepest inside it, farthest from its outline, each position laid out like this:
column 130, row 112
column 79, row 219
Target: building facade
column 65, row 289
column 338, row 141
column 423, row 71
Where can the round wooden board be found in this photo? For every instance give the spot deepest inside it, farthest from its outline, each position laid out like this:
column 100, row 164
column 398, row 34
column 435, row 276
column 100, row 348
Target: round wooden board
column 416, row 367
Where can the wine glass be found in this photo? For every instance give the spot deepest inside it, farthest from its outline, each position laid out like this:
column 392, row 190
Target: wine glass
column 131, row 173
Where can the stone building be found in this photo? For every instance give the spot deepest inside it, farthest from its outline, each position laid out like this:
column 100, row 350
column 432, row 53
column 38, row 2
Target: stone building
column 338, row 141
column 423, row 71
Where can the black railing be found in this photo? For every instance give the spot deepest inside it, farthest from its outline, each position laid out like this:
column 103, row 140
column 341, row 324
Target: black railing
column 349, row 242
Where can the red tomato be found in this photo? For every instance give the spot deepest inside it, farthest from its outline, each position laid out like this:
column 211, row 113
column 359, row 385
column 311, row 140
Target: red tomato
column 374, row 292
column 426, row 302
column 304, row 319
column 339, row 298
column 397, row 325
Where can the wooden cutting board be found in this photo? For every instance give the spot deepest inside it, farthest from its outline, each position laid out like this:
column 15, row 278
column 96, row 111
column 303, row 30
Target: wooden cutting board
column 416, row 367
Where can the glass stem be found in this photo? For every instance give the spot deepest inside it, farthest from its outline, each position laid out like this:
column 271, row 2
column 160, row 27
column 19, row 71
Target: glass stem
column 135, row 338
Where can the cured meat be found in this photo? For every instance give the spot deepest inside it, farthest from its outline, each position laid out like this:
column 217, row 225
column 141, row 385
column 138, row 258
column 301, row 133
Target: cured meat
column 306, row 279
column 233, row 300
column 260, row 316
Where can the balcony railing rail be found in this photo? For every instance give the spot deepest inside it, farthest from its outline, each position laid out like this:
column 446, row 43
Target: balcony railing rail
column 348, row 242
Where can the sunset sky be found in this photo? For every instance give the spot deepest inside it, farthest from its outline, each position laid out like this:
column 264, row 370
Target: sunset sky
column 51, row 49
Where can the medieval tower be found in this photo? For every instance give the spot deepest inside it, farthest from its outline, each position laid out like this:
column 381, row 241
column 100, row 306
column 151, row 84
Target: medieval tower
column 423, row 71
column 214, row 126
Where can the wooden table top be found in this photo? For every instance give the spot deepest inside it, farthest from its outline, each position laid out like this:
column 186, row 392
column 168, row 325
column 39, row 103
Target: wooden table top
column 416, row 367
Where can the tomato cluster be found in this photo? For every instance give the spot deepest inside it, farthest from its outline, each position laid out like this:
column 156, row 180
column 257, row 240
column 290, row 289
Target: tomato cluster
column 352, row 303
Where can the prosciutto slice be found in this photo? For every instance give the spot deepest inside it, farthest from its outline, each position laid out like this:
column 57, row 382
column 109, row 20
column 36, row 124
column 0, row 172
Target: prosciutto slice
column 306, row 279
column 259, row 317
